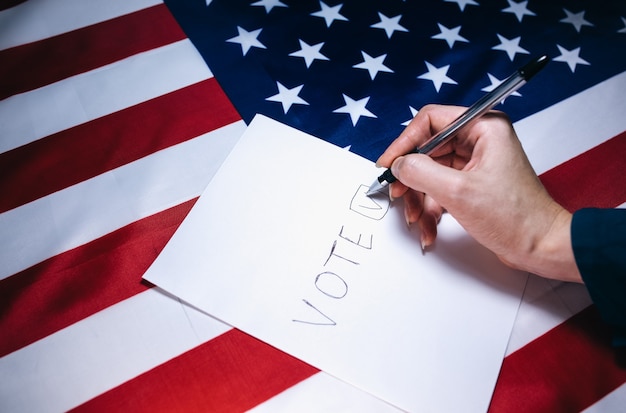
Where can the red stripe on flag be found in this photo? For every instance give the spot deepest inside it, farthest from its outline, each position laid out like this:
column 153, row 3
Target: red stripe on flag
column 574, row 358
column 217, row 376
column 85, row 49
column 592, row 179
column 71, row 286
column 82, row 152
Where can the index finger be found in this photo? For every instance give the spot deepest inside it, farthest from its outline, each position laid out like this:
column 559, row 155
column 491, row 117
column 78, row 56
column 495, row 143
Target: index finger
column 428, row 121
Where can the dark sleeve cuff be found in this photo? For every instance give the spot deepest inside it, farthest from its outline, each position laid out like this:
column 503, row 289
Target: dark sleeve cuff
column 599, row 244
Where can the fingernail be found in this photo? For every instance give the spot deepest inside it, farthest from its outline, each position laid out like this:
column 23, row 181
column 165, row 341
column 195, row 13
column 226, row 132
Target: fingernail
column 406, row 218
column 423, row 243
column 394, row 166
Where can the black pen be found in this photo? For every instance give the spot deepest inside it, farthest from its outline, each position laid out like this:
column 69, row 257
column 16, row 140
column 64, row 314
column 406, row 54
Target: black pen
column 482, row 106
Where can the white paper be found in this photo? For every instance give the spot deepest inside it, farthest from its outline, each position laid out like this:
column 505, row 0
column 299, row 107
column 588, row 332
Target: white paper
column 284, row 245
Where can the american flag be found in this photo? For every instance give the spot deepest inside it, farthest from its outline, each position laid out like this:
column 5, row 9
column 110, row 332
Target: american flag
column 115, row 114
column 353, row 72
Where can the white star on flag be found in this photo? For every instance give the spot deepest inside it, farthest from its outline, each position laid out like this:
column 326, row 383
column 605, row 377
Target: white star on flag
column 449, row 35
column 495, row 82
column 269, row 4
column 247, row 39
column 413, row 113
column 576, row 19
column 518, row 9
column 288, row 97
column 571, row 57
column 355, row 108
column 373, row 64
column 438, row 75
column 389, row 24
column 510, row 46
column 309, row 53
column 329, row 14
column 463, row 3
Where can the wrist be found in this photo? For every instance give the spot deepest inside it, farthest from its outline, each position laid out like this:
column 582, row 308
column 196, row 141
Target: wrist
column 552, row 255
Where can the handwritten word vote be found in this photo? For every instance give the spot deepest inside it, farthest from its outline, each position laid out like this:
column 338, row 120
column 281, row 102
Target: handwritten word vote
column 345, row 250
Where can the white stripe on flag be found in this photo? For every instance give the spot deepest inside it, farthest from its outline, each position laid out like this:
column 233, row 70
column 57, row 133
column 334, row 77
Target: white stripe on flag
column 83, row 212
column 41, row 112
column 39, row 19
column 564, row 130
column 102, row 351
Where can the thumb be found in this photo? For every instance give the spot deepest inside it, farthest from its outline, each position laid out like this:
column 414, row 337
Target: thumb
column 422, row 173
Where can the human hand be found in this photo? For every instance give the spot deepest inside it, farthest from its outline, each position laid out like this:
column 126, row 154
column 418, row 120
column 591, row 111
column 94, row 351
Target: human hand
column 483, row 178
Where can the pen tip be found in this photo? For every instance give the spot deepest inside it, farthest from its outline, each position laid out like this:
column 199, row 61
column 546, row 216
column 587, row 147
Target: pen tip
column 375, row 188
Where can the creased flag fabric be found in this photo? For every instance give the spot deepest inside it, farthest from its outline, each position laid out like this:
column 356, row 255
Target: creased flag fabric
column 114, row 115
